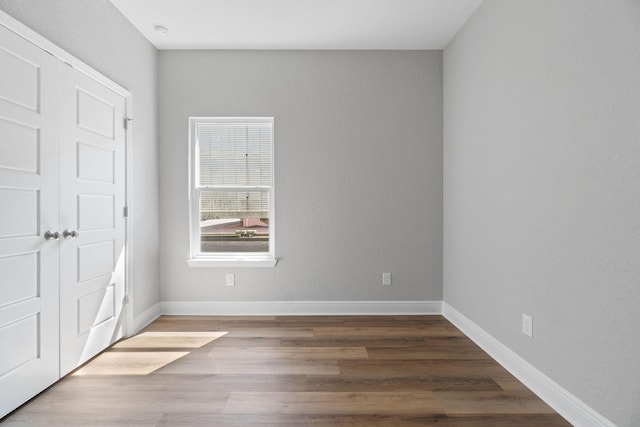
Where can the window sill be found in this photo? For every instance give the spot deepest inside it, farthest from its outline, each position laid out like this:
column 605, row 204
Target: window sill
column 232, row 262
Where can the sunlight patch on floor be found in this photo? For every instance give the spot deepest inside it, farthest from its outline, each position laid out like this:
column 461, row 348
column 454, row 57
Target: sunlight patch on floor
column 147, row 352
column 161, row 340
column 129, row 363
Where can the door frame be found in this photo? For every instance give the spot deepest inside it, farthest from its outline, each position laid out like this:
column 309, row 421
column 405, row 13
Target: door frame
column 36, row 39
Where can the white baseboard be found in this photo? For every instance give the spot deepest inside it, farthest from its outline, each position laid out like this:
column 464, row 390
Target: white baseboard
column 146, row 317
column 566, row 404
column 272, row 308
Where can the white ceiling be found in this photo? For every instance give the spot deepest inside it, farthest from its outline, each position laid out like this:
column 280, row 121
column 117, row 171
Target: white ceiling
column 299, row 24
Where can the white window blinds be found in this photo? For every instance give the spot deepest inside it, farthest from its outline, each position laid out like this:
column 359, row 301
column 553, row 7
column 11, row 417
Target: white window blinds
column 235, row 155
column 235, row 168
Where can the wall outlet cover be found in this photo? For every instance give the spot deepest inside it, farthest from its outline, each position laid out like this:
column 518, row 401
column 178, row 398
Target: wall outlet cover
column 386, row 279
column 231, row 279
column 527, row 325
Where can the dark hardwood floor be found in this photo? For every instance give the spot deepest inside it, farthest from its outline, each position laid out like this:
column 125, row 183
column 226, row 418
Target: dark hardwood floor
column 291, row 371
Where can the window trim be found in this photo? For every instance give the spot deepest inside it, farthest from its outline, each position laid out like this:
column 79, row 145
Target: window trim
column 228, row 259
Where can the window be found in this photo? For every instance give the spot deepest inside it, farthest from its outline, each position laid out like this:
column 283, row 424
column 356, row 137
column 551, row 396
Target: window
column 231, row 194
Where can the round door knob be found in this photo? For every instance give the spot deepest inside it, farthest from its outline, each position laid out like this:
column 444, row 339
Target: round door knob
column 51, row 235
column 70, row 234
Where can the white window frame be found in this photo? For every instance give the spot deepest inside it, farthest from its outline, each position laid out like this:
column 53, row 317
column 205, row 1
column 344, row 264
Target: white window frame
column 225, row 259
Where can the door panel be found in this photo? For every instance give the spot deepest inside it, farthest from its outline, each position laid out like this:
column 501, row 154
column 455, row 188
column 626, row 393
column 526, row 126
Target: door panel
column 23, row 334
column 95, row 260
column 95, row 114
column 29, row 296
column 20, row 214
column 95, row 163
column 18, row 146
column 96, row 212
column 24, row 285
column 23, row 66
column 92, row 201
column 96, row 307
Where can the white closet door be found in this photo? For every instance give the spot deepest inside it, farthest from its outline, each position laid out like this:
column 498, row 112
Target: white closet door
column 92, row 198
column 28, row 208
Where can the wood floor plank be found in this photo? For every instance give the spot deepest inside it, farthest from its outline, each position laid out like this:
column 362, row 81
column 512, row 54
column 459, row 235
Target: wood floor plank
column 364, row 403
column 408, row 367
column 227, row 341
column 258, row 332
column 130, row 363
column 345, row 383
column 292, row 420
column 504, row 420
column 508, row 383
column 288, row 353
column 204, row 364
column 427, row 351
column 385, row 331
column 150, row 339
column 491, row 402
column 370, row 342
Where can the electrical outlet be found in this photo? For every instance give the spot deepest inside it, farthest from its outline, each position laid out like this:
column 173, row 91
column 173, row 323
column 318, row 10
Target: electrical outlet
column 527, row 325
column 386, row 279
column 231, row 279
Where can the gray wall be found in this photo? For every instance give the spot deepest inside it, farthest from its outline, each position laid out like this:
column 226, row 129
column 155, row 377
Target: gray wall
column 542, row 189
column 97, row 33
column 358, row 142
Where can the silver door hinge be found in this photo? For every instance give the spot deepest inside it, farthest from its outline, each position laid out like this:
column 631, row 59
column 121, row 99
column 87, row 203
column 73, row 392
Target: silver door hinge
column 126, row 121
column 125, row 300
column 125, row 211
